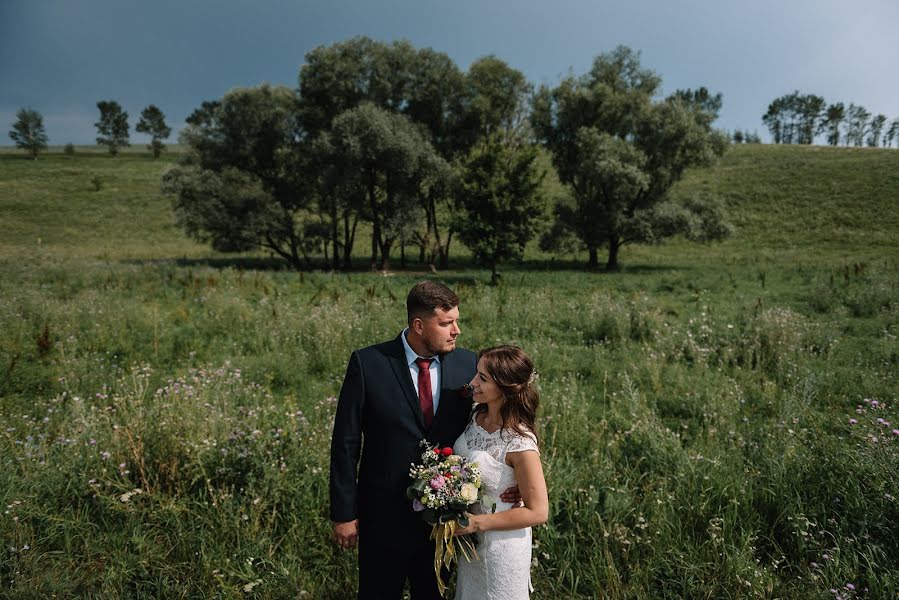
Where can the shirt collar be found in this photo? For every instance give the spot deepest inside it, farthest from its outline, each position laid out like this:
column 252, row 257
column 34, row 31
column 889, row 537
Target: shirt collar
column 411, row 356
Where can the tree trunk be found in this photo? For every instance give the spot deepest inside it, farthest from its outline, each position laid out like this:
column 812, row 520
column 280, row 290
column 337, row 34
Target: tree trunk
column 443, row 251
column 402, row 254
column 335, row 236
column 385, row 255
column 593, row 261
column 375, row 221
column 614, row 245
column 494, row 276
column 349, row 236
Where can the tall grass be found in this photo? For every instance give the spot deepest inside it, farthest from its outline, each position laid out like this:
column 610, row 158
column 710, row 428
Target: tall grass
column 717, row 422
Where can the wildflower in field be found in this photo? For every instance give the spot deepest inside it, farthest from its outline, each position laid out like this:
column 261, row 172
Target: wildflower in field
column 853, row 421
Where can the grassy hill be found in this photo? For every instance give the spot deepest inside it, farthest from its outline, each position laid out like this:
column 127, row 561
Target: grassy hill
column 717, row 421
column 807, row 202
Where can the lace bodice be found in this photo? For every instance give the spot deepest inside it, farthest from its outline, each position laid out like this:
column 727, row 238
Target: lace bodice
column 503, row 570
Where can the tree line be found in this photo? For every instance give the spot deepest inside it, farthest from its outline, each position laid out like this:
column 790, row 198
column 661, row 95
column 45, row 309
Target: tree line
column 425, row 153
column 799, row 118
column 29, row 133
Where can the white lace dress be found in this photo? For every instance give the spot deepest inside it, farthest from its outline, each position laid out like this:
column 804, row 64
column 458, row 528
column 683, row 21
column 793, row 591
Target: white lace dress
column 504, row 569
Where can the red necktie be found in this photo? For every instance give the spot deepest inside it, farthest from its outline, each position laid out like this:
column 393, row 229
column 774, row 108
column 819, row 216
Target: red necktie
column 425, row 400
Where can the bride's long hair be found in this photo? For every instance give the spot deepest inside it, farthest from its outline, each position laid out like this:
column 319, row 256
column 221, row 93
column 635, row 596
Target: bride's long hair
column 513, row 372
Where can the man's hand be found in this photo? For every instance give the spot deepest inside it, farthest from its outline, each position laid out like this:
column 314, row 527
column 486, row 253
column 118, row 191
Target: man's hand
column 346, row 534
column 512, row 496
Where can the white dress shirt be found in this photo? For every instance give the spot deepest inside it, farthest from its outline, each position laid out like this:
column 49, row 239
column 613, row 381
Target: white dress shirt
column 411, row 357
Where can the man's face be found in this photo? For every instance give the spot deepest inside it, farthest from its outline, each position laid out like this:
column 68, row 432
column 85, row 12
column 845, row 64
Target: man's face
column 439, row 331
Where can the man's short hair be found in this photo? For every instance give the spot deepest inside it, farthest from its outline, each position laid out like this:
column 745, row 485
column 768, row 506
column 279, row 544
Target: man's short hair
column 426, row 297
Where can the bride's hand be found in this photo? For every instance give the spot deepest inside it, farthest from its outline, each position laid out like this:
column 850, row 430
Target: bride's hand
column 475, row 523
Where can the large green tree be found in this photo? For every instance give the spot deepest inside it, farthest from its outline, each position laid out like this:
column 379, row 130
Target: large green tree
column 620, row 149
column 454, row 110
column 241, row 183
column 385, row 160
column 112, row 126
column 500, row 191
column 28, row 131
column 152, row 122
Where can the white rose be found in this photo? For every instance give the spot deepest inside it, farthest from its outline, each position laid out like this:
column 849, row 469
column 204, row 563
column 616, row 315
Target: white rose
column 469, row 492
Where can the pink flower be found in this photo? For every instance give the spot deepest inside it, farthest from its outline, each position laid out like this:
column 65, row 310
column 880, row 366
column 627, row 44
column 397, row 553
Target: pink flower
column 896, row 432
column 853, row 421
column 438, row 482
column 849, row 586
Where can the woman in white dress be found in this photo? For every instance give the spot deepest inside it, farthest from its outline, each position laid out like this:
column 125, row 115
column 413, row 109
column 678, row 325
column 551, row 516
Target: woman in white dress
column 500, row 438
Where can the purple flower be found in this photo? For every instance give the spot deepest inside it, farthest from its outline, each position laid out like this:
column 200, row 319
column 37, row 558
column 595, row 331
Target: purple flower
column 850, row 586
column 896, row 432
column 417, row 506
column 438, row 482
column 853, row 421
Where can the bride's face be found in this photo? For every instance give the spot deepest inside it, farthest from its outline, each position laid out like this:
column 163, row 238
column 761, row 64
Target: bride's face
column 484, row 389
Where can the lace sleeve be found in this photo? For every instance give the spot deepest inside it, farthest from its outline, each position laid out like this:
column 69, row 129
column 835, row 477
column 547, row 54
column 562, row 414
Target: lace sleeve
column 521, row 443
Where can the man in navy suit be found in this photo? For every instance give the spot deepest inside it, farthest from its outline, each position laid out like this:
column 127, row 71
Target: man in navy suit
column 394, row 395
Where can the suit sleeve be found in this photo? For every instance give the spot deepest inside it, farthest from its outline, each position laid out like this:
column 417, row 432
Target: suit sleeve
column 346, row 443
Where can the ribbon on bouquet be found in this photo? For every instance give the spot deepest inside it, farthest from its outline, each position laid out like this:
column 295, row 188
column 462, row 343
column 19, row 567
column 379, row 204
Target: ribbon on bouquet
column 445, row 549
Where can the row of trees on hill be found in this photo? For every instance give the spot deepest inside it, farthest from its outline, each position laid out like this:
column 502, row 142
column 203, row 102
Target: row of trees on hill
column 799, row 118
column 112, row 128
column 404, row 140
column 28, row 131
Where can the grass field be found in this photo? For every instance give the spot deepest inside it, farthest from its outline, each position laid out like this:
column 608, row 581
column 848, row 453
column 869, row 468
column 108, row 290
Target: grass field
column 718, row 421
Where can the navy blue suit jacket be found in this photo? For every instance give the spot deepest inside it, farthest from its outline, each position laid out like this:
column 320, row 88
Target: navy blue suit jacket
column 378, row 428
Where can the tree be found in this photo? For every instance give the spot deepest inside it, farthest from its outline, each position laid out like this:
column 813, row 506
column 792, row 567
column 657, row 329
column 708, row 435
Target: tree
column 152, row 122
column 387, row 160
column 833, row 119
column 242, row 183
column 496, row 102
column 892, row 134
column 620, row 151
column 774, row 120
column 500, row 191
column 794, row 118
column 753, row 138
column 28, row 131
column 856, row 124
column 875, row 130
column 423, row 85
column 112, row 126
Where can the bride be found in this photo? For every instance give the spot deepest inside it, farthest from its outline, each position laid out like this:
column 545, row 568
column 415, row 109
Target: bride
column 500, row 438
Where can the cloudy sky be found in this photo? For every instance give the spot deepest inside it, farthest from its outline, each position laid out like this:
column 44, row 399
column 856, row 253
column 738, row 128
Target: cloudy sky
column 62, row 56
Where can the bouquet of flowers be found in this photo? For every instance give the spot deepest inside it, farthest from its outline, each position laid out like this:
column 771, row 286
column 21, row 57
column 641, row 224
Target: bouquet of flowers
column 443, row 487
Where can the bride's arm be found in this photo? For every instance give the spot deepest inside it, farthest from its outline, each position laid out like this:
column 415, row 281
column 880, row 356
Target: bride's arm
column 529, row 474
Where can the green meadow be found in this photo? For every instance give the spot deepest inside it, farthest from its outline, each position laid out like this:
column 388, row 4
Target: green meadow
column 716, row 421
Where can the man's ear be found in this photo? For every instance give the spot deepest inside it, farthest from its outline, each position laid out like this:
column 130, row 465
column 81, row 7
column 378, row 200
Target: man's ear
column 417, row 326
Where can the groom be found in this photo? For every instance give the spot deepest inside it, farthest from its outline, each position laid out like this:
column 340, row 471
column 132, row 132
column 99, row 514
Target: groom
column 394, row 395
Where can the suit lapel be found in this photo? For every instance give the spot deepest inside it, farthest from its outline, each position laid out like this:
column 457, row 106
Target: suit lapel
column 404, row 377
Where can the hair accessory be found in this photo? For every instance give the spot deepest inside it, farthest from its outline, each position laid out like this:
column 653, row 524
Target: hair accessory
column 534, row 376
